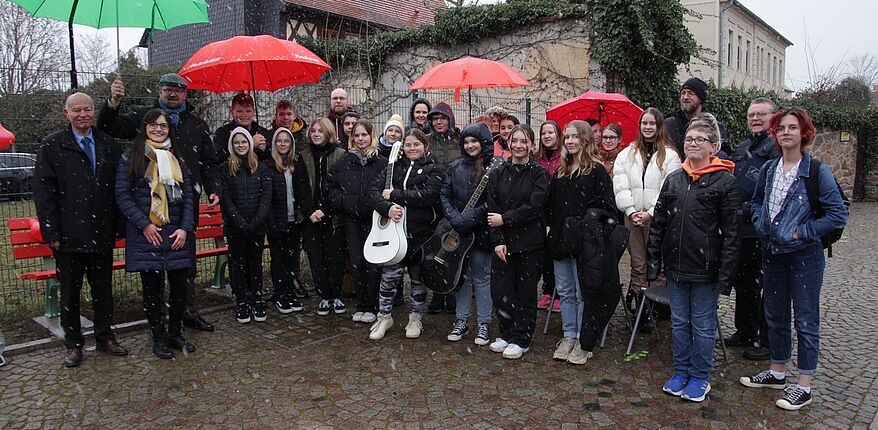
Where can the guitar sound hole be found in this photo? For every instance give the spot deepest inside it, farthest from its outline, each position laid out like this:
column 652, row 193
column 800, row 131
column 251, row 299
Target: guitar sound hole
column 383, row 222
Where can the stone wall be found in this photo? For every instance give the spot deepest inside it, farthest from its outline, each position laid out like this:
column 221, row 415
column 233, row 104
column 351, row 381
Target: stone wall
column 840, row 156
column 552, row 55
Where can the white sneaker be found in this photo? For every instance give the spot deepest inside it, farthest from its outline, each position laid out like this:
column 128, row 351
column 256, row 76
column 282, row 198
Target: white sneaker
column 413, row 329
column 578, row 355
column 565, row 345
column 358, row 317
column 368, row 317
column 499, row 345
column 381, row 326
column 514, row 351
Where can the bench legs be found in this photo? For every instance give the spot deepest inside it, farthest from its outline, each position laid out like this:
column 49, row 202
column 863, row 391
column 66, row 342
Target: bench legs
column 219, row 276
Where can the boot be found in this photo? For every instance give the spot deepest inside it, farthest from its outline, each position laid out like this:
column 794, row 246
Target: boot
column 436, row 304
column 384, row 323
column 413, row 329
column 178, row 342
column 160, row 343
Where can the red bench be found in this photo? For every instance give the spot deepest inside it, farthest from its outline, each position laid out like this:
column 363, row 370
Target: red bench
column 26, row 244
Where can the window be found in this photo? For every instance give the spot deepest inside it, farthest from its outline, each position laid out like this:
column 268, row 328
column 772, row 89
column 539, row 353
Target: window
column 739, row 53
column 729, row 50
column 747, row 59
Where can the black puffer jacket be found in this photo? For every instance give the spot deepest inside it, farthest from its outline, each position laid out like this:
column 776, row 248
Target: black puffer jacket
column 518, row 192
column 75, row 206
column 134, row 197
column 695, row 232
column 416, row 188
column 573, row 197
column 348, row 185
column 459, row 185
column 246, row 201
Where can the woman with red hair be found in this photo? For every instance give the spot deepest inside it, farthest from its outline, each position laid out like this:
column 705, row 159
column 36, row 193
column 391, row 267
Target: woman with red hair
column 792, row 252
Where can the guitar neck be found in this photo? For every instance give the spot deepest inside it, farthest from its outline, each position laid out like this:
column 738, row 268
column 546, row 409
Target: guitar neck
column 479, row 189
column 389, row 181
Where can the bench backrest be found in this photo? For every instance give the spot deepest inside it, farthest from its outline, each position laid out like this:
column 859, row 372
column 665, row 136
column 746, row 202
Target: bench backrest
column 25, row 238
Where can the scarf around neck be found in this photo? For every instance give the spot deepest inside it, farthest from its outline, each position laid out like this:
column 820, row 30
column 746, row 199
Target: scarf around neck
column 165, row 176
column 173, row 113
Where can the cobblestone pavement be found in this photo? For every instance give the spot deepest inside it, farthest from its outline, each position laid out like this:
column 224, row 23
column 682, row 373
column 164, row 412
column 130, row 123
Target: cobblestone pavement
column 306, row 371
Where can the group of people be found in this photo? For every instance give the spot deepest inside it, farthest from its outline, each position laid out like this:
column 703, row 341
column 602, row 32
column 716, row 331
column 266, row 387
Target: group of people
column 698, row 218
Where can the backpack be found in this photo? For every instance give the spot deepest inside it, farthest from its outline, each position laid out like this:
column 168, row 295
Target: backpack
column 812, row 187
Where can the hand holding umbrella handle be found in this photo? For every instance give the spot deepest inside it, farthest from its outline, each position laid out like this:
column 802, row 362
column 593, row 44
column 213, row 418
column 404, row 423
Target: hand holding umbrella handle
column 117, row 92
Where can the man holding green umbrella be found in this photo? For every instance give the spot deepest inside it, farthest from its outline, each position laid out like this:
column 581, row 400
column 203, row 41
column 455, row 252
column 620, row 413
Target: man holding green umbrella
column 193, row 144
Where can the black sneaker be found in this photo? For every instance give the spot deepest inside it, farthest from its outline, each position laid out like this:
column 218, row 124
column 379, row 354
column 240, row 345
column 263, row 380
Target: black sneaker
column 795, row 398
column 763, row 380
column 338, row 306
column 284, row 305
column 259, row 312
column 458, row 331
column 295, row 304
column 324, row 308
column 242, row 313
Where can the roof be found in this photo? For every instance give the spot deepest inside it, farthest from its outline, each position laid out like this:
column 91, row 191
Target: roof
column 400, row 14
column 755, row 17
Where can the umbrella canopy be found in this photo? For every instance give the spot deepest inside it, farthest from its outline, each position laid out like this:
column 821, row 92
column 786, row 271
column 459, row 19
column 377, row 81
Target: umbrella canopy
column 6, row 137
column 469, row 73
column 155, row 14
column 151, row 14
column 252, row 63
column 605, row 108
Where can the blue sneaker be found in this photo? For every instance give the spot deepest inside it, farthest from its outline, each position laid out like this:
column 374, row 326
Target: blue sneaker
column 676, row 384
column 696, row 390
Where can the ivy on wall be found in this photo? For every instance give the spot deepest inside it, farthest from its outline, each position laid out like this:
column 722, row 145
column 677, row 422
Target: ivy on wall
column 453, row 27
column 639, row 45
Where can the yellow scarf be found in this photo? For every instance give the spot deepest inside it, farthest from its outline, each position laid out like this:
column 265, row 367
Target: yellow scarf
column 162, row 171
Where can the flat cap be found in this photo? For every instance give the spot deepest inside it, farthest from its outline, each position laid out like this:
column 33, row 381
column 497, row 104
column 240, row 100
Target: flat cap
column 173, row 80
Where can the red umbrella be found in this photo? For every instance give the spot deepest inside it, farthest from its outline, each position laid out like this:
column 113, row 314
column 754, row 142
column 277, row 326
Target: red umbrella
column 6, row 137
column 469, row 73
column 252, row 63
column 605, row 108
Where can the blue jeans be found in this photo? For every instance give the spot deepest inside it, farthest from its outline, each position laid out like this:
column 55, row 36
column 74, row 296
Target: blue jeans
column 478, row 279
column 693, row 321
column 567, row 284
column 796, row 278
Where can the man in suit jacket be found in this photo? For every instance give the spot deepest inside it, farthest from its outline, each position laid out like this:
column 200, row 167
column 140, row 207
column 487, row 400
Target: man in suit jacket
column 75, row 200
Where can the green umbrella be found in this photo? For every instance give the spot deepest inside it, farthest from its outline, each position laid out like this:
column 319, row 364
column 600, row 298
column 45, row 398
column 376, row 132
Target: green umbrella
column 151, row 14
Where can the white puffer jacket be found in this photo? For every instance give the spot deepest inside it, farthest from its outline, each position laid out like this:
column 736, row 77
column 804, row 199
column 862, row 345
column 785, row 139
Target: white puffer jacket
column 635, row 190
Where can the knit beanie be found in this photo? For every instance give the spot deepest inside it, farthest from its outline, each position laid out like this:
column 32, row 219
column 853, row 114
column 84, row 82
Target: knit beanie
column 697, row 86
column 395, row 120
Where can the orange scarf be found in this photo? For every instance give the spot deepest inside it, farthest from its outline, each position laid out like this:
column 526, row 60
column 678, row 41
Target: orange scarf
column 716, row 164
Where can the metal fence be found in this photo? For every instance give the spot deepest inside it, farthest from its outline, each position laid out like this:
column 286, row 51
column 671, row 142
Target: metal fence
column 35, row 114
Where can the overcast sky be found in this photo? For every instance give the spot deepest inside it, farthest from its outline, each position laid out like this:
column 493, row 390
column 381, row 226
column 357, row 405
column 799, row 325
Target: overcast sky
column 826, row 32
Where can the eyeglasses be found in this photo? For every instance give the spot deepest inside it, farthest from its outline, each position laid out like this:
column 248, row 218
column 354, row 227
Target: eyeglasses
column 752, row 115
column 158, row 125
column 609, row 137
column 699, row 140
column 789, row 129
column 173, row 90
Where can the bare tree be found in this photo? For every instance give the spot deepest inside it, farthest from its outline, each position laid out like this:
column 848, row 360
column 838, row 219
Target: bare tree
column 864, row 68
column 30, row 52
column 93, row 55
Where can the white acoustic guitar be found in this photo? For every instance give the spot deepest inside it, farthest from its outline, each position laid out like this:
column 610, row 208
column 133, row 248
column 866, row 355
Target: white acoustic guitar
column 386, row 243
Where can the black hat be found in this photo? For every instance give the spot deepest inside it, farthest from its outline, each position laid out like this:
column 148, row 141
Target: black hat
column 697, row 86
column 174, row 80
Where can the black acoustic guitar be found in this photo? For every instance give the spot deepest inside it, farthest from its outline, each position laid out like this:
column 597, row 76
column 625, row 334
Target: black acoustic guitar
column 446, row 252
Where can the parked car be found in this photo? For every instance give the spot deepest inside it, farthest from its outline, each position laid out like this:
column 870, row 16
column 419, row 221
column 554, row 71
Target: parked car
column 16, row 175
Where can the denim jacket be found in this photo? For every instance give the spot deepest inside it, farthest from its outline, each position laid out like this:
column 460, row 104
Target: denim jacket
column 795, row 213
